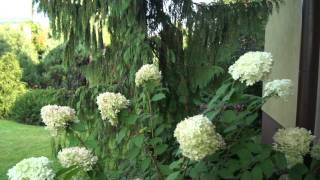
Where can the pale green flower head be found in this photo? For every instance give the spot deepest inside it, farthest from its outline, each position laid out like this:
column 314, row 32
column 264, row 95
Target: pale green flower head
column 251, row 67
column 315, row 152
column 293, row 142
column 147, row 73
column 197, row 137
column 34, row 168
column 56, row 118
column 110, row 104
column 77, row 156
column 278, row 88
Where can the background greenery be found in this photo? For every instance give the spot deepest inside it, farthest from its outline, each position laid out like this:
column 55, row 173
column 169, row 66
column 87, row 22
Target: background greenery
column 26, row 109
column 21, row 141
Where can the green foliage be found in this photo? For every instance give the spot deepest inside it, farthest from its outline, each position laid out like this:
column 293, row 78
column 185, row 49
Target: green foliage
column 193, row 44
column 19, row 141
column 17, row 40
column 56, row 74
column 26, row 109
column 11, row 86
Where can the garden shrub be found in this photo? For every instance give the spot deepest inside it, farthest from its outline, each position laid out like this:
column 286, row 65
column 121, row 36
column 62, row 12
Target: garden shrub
column 11, row 85
column 26, row 108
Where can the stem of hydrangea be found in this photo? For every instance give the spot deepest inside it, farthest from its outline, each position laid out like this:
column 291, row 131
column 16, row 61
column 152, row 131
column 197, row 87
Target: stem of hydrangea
column 150, row 112
column 77, row 135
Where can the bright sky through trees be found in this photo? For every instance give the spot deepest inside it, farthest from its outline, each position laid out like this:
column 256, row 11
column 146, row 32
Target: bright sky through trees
column 19, row 10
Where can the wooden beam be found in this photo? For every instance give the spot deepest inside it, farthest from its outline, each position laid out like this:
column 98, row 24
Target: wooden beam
column 309, row 65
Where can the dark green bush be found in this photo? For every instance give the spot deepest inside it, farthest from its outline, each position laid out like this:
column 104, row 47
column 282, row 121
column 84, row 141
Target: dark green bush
column 27, row 108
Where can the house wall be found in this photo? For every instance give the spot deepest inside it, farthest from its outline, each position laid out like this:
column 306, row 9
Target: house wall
column 282, row 39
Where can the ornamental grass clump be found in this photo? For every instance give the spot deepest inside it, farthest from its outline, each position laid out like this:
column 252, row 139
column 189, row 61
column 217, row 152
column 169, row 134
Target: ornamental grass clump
column 294, row 143
column 251, row 67
column 147, row 73
column 110, row 104
column 77, row 156
column 34, row 168
column 197, row 137
column 57, row 118
column 278, row 88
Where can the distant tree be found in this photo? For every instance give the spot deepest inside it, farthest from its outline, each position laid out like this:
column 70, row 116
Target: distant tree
column 11, row 85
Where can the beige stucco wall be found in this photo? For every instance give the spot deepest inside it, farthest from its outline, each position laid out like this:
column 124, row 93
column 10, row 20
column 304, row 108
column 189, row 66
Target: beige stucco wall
column 282, row 39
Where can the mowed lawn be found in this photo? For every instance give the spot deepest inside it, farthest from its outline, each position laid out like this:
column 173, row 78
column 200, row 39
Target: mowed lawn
column 18, row 141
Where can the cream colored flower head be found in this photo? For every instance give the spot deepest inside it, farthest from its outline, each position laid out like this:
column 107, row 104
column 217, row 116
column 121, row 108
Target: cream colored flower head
column 77, row 156
column 293, row 142
column 251, row 67
column 56, row 117
column 110, row 104
column 34, row 168
column 315, row 152
column 278, row 88
column 147, row 73
column 197, row 137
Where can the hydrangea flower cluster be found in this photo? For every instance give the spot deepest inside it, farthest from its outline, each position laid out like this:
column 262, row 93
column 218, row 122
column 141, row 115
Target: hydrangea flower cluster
column 35, row 168
column 110, row 104
column 294, row 143
column 77, row 156
column 251, row 67
column 279, row 88
column 147, row 73
column 315, row 152
column 56, row 117
column 197, row 137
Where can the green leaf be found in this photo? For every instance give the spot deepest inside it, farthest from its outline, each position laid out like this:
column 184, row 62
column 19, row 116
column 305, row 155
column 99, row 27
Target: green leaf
column 175, row 164
column 250, row 119
column 229, row 116
column 245, row 157
column 71, row 173
column 246, row 176
column 267, row 168
column 158, row 97
column 160, row 149
column 165, row 169
column 134, row 152
column 280, row 161
column 159, row 130
column 131, row 119
column 257, row 173
column 199, row 168
column 145, row 164
column 64, row 170
column 173, row 176
column 138, row 140
column 297, row 171
column 121, row 135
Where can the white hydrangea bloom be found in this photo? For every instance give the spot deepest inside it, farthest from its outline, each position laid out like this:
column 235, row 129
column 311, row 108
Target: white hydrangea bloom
column 147, row 73
column 251, row 67
column 279, row 88
column 56, row 117
column 35, row 168
column 77, row 156
column 293, row 142
column 110, row 105
column 197, row 137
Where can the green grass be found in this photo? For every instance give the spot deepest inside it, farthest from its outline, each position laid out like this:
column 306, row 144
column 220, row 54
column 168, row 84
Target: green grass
column 18, row 141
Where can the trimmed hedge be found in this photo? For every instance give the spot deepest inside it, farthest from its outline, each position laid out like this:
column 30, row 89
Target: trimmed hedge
column 26, row 108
